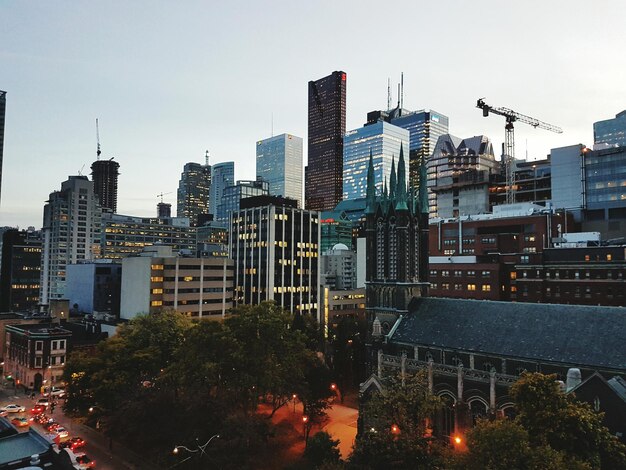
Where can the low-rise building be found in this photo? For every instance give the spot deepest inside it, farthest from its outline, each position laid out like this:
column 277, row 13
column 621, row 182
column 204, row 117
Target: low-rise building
column 94, row 287
column 197, row 287
column 36, row 354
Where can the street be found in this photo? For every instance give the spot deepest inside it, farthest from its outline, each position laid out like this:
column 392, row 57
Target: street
column 97, row 447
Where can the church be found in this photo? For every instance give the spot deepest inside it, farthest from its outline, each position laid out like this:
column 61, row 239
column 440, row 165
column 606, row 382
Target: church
column 472, row 350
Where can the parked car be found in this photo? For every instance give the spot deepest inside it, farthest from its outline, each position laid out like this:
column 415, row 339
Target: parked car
column 84, row 462
column 20, row 422
column 37, row 409
column 13, row 408
column 56, row 392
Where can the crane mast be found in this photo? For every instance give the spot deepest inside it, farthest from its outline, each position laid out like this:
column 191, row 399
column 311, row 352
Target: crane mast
column 509, row 139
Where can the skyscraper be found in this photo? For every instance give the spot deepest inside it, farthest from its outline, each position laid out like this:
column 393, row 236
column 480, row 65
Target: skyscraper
column 327, row 125
column 193, row 191
column 222, row 175
column 71, row 232
column 279, row 162
column 3, row 106
column 232, row 196
column 384, row 142
column 611, row 132
column 424, row 126
column 104, row 175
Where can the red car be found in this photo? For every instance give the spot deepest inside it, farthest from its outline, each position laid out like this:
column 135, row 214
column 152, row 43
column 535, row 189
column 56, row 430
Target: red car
column 37, row 409
column 73, row 443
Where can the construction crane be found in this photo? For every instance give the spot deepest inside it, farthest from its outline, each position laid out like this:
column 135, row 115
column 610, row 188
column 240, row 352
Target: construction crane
column 509, row 139
column 163, row 194
column 98, row 139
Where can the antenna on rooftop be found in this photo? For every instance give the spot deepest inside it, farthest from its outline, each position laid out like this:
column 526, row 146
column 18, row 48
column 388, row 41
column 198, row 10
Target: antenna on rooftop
column 388, row 93
column 98, row 152
column 206, row 158
column 398, row 95
column 401, row 90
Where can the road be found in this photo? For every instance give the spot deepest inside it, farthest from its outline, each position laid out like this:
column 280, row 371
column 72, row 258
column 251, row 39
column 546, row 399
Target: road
column 97, row 447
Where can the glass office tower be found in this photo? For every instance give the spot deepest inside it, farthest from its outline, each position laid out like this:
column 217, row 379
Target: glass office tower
column 384, row 141
column 232, row 196
column 611, row 132
column 222, row 175
column 424, row 127
column 279, row 162
column 327, row 125
column 193, row 192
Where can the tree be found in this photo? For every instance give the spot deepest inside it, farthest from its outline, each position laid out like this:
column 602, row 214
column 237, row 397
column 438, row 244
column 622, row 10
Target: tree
column 559, row 421
column 322, row 449
column 396, row 431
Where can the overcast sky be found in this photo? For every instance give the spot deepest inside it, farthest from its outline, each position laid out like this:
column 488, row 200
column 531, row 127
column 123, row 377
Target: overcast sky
column 169, row 79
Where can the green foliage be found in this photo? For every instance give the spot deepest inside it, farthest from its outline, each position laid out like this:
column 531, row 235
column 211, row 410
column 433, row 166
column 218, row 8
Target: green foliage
column 396, row 432
column 165, row 380
column 322, row 448
column 559, row 421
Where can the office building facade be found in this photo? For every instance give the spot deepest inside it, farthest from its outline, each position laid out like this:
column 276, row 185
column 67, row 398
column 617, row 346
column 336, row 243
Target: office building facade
column 275, row 247
column 279, row 162
column 384, row 142
column 610, row 132
column 126, row 235
column 193, row 192
column 20, row 269
column 327, row 125
column 338, row 267
column 336, row 228
column 104, row 174
column 93, row 287
column 232, row 196
column 157, row 280
column 222, row 176
column 71, row 231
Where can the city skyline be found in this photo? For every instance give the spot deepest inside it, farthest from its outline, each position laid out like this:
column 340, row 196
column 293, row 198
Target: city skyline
column 61, row 72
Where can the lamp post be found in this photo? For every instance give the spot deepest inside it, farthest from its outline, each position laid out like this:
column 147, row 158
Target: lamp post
column 200, row 448
column 293, row 397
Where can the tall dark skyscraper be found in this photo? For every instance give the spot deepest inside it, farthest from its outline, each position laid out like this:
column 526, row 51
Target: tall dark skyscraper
column 327, row 126
column 3, row 106
column 104, row 175
column 193, row 191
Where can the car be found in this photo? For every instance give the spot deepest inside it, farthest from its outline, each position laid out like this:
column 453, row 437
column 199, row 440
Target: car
column 75, row 443
column 51, row 425
column 56, row 392
column 20, row 422
column 13, row 408
column 84, row 462
column 43, row 401
column 37, row 409
column 62, row 432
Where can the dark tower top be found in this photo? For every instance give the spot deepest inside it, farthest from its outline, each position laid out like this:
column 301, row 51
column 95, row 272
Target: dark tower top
column 3, row 105
column 104, row 174
column 327, row 126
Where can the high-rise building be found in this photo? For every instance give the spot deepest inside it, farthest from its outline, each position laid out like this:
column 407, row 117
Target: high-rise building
column 338, row 267
column 458, row 176
column 232, row 196
column 384, row 142
column 279, row 162
column 424, row 126
column 71, row 232
column 222, row 175
column 193, row 192
column 3, row 107
column 104, row 174
column 327, row 125
column 20, row 265
column 611, row 132
column 275, row 247
column 336, row 228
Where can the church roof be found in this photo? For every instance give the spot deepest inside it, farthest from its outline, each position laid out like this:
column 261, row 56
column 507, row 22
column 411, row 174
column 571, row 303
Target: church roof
column 571, row 334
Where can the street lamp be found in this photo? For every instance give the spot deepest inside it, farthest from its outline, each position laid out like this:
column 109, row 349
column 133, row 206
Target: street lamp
column 201, row 448
column 293, row 397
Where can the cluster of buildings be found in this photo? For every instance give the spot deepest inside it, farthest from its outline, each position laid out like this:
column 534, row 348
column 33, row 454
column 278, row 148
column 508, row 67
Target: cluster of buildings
column 398, row 215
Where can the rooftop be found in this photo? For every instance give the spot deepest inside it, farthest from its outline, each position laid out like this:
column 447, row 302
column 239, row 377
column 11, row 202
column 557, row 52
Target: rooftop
column 570, row 334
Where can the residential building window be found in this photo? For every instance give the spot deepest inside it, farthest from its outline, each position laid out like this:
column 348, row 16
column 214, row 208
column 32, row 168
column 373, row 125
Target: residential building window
column 471, row 287
column 38, row 345
column 513, row 275
column 609, row 257
column 38, row 361
column 486, row 288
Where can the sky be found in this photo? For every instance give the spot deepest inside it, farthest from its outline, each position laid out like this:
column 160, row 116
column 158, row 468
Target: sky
column 169, row 80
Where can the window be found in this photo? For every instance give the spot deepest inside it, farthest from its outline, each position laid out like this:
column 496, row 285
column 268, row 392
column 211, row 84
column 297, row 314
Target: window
column 513, row 275
column 38, row 345
column 609, row 257
column 38, row 361
column 156, row 303
column 486, row 273
column 471, row 287
column 445, row 286
column 433, row 285
column 486, row 288
column 458, row 286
